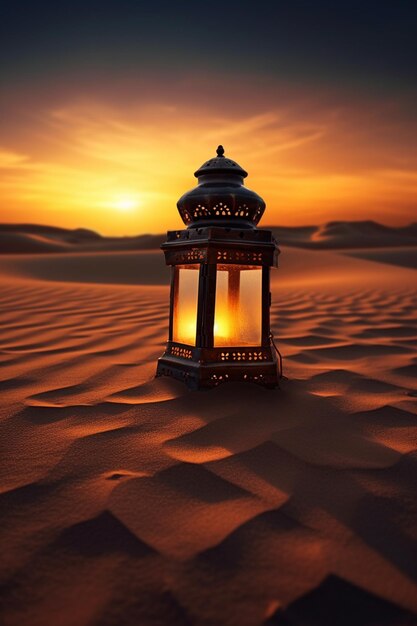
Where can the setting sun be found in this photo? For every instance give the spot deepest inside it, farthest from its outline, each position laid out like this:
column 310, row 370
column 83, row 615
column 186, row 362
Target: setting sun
column 125, row 204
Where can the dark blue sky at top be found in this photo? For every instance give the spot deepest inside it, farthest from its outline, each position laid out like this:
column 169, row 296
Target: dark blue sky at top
column 372, row 45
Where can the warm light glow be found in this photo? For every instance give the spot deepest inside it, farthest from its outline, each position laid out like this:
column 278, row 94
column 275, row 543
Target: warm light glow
column 222, row 325
column 187, row 327
column 238, row 305
column 238, row 312
column 126, row 203
column 185, row 304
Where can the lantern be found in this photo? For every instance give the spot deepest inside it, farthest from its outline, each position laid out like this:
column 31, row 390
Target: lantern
column 219, row 328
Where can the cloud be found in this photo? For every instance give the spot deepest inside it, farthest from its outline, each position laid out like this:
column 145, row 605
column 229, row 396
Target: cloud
column 10, row 160
column 309, row 159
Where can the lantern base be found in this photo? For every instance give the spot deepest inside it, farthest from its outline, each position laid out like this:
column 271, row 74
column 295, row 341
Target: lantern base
column 205, row 376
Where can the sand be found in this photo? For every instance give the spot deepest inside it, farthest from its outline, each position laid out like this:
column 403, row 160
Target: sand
column 129, row 500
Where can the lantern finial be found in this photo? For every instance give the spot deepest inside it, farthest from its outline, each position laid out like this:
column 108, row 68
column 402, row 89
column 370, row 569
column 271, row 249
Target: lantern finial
column 220, row 151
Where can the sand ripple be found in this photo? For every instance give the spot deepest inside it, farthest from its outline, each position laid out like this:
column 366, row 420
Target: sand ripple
column 129, row 500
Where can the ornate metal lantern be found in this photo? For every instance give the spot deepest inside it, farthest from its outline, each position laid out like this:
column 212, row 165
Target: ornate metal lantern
column 219, row 327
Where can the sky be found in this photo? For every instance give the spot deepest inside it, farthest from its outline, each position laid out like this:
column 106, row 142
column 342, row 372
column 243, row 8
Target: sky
column 107, row 108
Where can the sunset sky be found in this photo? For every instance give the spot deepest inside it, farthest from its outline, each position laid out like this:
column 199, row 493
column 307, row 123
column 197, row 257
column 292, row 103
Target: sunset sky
column 107, row 109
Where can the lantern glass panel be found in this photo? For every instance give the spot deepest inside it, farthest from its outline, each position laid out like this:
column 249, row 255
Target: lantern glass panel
column 238, row 307
column 185, row 304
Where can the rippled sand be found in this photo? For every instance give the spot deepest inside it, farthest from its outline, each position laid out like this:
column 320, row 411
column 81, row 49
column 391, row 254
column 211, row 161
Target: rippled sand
column 126, row 499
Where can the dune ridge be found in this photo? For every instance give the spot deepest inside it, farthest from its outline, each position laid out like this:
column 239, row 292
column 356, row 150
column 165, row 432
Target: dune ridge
column 126, row 499
column 36, row 238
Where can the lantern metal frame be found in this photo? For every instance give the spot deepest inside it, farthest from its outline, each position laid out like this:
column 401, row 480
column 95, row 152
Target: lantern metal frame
column 211, row 241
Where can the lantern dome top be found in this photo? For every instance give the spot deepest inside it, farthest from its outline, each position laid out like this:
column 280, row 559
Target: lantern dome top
column 220, row 198
column 219, row 164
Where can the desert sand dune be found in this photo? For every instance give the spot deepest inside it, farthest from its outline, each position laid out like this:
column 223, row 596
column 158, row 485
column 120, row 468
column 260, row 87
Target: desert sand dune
column 363, row 234
column 405, row 257
column 347, row 234
column 130, row 268
column 36, row 238
column 126, row 499
column 322, row 606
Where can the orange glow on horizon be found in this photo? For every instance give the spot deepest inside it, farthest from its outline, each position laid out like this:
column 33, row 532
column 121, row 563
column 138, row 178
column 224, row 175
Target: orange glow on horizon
column 120, row 172
column 125, row 203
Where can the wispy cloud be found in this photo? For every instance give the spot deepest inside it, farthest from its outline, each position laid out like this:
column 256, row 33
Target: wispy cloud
column 10, row 160
column 82, row 157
